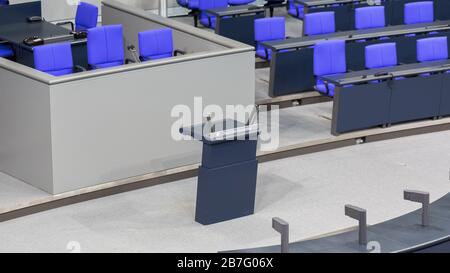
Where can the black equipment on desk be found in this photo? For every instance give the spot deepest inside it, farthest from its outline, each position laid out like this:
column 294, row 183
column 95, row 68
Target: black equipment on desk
column 79, row 34
column 34, row 19
column 33, row 41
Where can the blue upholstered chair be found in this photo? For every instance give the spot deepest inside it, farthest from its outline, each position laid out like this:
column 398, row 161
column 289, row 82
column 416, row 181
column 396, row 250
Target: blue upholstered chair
column 329, row 59
column 432, row 49
column 319, row 23
column 105, row 46
column 381, row 55
column 189, row 4
column 54, row 59
column 156, row 44
column 6, row 51
column 209, row 20
column 85, row 18
column 419, row 12
column 369, row 17
column 268, row 29
column 4, row 2
column 239, row 2
column 295, row 10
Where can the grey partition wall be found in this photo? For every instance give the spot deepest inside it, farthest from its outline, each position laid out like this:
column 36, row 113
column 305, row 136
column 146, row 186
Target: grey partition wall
column 69, row 132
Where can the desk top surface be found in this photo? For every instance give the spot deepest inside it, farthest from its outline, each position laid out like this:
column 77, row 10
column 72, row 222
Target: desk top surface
column 363, row 76
column 353, row 35
column 236, row 10
column 219, row 131
column 16, row 33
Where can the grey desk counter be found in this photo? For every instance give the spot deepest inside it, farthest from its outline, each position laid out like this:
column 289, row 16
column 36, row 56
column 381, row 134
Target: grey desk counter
column 364, row 76
column 236, row 10
column 354, row 35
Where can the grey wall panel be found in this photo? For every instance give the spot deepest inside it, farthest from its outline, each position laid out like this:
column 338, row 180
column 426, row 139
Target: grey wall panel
column 118, row 126
column 25, row 147
column 133, row 24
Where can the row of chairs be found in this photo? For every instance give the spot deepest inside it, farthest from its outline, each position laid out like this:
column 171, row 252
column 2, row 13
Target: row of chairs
column 104, row 49
column 86, row 18
column 330, row 58
column 202, row 6
column 268, row 29
column 365, row 17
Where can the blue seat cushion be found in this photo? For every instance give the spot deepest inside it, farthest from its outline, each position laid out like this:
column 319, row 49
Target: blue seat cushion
column 155, row 44
column 419, row 12
column 432, row 49
column 329, row 57
column 321, row 87
column 295, row 10
column 208, row 20
column 86, row 16
column 183, row 3
column 6, row 51
column 105, row 46
column 381, row 55
column 369, row 17
column 193, row 4
column 54, row 59
column 319, row 23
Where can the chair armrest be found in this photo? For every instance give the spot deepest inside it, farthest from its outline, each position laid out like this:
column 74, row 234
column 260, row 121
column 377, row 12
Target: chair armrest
column 79, row 68
column 67, row 23
column 177, row 52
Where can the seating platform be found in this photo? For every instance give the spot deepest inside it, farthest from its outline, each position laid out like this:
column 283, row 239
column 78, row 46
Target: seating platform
column 395, row 235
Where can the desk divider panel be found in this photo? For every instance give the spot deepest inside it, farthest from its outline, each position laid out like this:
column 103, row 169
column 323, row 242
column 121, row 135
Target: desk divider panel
column 445, row 96
column 442, row 9
column 288, row 74
column 239, row 28
column 415, row 98
column 361, row 106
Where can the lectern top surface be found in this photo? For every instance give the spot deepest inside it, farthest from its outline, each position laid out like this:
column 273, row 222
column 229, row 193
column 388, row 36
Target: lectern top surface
column 221, row 130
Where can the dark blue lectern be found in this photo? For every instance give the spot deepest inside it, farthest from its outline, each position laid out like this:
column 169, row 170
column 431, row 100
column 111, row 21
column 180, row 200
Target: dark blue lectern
column 227, row 177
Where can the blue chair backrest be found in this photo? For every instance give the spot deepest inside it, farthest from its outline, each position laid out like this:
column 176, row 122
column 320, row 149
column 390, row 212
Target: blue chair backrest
column 183, row 3
column 4, row 2
column 369, row 17
column 319, row 23
column 419, row 12
column 155, row 44
column 54, row 59
column 381, row 55
column 105, row 46
column 267, row 29
column 86, row 17
column 212, row 4
column 329, row 57
column 432, row 49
